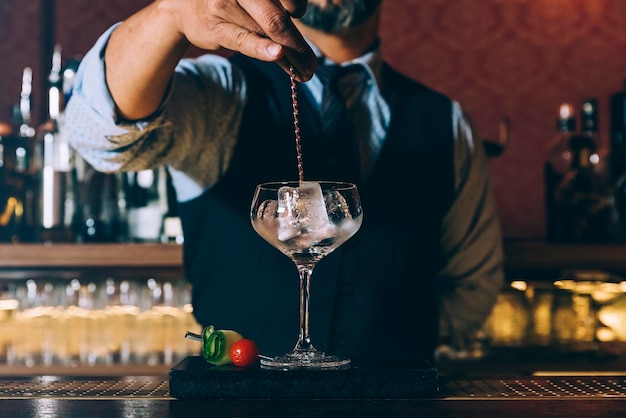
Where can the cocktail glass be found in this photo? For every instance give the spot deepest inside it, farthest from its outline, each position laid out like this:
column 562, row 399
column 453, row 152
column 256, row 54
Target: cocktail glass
column 306, row 221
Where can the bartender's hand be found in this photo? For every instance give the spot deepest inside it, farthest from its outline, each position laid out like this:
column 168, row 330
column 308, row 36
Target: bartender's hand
column 261, row 29
column 143, row 51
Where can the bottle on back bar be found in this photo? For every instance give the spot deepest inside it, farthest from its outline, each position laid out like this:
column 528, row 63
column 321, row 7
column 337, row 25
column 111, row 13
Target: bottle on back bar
column 557, row 164
column 12, row 187
column 17, row 169
column 100, row 210
column 584, row 203
column 620, row 208
column 146, row 203
column 54, row 189
column 171, row 227
column 618, row 158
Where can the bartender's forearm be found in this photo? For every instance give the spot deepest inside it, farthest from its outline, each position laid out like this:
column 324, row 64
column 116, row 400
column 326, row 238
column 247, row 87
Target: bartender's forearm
column 144, row 50
column 140, row 57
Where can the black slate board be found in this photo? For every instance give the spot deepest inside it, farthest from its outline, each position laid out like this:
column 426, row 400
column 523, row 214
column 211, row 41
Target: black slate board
column 195, row 378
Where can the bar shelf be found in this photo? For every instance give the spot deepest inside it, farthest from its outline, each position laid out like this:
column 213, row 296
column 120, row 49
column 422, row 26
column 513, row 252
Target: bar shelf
column 532, row 258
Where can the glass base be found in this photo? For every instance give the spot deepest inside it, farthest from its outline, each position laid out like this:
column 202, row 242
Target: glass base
column 305, row 360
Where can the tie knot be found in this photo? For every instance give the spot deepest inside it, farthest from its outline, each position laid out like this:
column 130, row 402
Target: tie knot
column 335, row 74
column 346, row 81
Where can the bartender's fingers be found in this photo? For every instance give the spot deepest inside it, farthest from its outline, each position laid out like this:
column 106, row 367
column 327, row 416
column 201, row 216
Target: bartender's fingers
column 250, row 42
column 275, row 23
column 254, row 45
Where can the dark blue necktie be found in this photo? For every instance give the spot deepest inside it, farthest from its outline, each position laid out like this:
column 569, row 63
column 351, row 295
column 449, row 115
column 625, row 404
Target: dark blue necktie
column 343, row 86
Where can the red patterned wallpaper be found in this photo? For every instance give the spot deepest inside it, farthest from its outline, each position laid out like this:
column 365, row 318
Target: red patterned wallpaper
column 513, row 58
column 19, row 47
column 499, row 58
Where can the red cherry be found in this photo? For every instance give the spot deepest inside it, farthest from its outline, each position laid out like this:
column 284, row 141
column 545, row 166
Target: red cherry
column 244, row 352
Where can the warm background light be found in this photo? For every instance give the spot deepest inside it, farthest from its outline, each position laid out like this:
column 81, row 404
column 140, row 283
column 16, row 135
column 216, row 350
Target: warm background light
column 518, row 59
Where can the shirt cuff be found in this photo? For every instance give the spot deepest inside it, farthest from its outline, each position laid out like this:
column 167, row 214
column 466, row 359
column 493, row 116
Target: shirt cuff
column 93, row 88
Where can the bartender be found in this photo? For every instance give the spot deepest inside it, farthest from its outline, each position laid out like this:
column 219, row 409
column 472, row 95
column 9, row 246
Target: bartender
column 426, row 266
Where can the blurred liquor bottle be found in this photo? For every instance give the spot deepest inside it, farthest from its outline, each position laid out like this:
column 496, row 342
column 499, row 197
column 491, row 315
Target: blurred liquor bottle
column 101, row 213
column 151, row 206
column 585, row 212
column 78, row 166
column 171, row 227
column 54, row 189
column 557, row 163
column 146, row 203
column 17, row 170
column 92, row 206
column 618, row 158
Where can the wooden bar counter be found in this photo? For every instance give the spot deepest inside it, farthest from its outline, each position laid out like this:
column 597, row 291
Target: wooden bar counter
column 509, row 389
column 136, row 396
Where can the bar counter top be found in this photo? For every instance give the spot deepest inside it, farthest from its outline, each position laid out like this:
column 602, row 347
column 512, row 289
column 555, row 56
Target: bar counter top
column 148, row 396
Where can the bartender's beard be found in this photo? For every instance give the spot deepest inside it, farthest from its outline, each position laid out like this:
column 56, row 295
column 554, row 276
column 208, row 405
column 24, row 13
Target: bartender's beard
column 332, row 17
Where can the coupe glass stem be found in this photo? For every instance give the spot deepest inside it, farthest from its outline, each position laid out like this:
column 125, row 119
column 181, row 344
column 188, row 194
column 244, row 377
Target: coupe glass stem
column 304, row 339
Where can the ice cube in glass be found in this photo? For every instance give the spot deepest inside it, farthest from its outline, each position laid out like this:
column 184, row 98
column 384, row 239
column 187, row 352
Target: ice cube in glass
column 301, row 210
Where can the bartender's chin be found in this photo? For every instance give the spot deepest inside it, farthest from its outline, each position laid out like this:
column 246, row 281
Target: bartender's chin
column 336, row 16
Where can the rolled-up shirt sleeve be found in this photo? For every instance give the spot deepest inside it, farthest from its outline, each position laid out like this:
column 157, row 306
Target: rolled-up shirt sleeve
column 471, row 242
column 205, row 97
column 91, row 120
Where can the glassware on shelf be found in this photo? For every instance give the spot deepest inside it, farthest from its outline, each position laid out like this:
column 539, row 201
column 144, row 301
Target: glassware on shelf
column 541, row 298
column 577, row 312
column 509, row 321
column 597, row 305
column 96, row 323
column 612, row 317
column 8, row 308
column 573, row 321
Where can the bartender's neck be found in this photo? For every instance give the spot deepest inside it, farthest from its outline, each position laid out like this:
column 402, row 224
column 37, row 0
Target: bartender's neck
column 346, row 44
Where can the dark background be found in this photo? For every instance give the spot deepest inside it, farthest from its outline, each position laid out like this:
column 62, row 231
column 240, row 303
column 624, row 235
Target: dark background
column 499, row 58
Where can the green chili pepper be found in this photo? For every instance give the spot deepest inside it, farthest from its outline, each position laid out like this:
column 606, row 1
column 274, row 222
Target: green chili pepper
column 216, row 344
